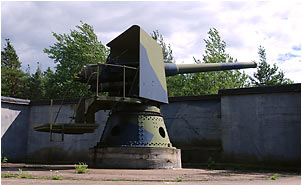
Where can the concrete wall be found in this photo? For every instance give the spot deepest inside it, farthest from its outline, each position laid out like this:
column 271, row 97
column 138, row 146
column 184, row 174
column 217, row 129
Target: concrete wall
column 243, row 125
column 194, row 126
column 14, row 127
column 262, row 128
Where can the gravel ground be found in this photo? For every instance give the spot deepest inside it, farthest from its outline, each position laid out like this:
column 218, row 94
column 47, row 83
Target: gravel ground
column 43, row 174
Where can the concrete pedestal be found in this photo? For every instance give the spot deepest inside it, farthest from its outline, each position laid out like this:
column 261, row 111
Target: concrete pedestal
column 135, row 157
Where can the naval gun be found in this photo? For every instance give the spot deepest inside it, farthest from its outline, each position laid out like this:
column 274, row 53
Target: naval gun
column 134, row 75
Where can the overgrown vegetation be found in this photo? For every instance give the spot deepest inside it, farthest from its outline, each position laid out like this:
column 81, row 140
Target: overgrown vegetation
column 81, row 168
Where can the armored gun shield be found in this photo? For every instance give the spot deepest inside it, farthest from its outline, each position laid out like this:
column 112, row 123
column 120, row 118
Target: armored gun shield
column 135, row 47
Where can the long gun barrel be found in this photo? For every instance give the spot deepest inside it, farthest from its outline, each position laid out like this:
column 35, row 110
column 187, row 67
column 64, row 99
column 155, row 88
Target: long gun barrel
column 172, row 69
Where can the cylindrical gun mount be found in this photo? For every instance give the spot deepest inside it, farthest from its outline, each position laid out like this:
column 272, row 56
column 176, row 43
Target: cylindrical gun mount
column 172, row 69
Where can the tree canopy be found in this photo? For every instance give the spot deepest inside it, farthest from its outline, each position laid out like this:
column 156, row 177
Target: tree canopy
column 210, row 82
column 70, row 53
column 267, row 75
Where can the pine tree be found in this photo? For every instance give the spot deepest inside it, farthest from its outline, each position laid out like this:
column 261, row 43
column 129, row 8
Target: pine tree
column 267, row 75
column 35, row 85
column 12, row 77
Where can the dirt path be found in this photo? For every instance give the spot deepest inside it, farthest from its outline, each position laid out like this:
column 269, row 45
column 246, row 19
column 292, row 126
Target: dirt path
column 43, row 175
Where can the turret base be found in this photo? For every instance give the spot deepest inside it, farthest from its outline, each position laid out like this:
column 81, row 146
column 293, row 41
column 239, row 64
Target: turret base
column 135, row 157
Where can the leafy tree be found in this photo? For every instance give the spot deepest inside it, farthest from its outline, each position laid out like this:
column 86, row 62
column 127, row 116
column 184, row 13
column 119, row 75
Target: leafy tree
column 267, row 75
column 12, row 77
column 70, row 53
column 212, row 82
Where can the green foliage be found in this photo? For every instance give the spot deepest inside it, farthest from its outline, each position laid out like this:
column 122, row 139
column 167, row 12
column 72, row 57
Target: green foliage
column 178, row 85
column 70, row 53
column 212, row 82
column 56, row 177
column 4, row 160
column 274, row 177
column 81, row 168
column 116, row 179
column 267, row 75
column 12, row 77
column 34, row 85
column 205, row 82
column 9, row 176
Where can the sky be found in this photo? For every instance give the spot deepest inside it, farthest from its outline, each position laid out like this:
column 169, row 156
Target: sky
column 243, row 25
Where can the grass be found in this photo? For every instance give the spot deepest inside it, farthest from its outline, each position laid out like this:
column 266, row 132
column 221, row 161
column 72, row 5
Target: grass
column 4, row 160
column 179, row 180
column 9, row 176
column 274, row 177
column 81, row 168
column 56, row 177
column 116, row 180
column 24, row 175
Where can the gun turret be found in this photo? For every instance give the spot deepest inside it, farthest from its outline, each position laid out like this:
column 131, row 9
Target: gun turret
column 135, row 68
column 134, row 75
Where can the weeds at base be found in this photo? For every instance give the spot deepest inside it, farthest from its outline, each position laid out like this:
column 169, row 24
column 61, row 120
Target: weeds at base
column 23, row 175
column 81, row 168
column 274, row 177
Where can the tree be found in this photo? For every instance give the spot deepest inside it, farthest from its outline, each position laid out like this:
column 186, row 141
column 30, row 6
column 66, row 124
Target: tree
column 50, row 85
column 267, row 75
column 212, row 82
column 35, row 88
column 12, row 77
column 70, row 53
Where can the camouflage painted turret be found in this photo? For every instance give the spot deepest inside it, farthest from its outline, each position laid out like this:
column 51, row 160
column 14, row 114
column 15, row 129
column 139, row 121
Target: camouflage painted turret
column 134, row 76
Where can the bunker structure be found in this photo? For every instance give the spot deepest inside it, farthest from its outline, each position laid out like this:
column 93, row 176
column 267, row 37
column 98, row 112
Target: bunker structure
column 134, row 75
